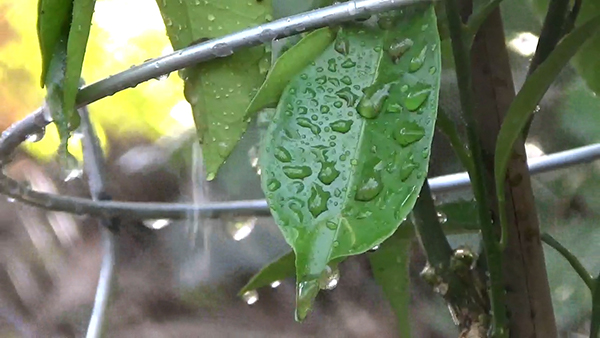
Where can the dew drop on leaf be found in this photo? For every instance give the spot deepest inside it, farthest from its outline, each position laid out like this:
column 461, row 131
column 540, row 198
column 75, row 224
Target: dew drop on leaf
column 398, row 48
column 416, row 97
column 306, row 123
column 317, row 202
column 342, row 45
column 297, row 172
column 348, row 63
column 371, row 103
column 417, row 62
column 346, row 80
column 410, row 133
column 369, row 187
column 328, row 172
column 282, row 154
column 273, row 184
column 347, row 95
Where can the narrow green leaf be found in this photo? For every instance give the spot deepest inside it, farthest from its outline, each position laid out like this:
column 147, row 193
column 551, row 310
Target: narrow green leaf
column 595, row 326
column 389, row 264
column 53, row 22
column 348, row 149
column 287, row 66
column 63, row 30
column 526, row 100
column 281, row 268
column 221, row 90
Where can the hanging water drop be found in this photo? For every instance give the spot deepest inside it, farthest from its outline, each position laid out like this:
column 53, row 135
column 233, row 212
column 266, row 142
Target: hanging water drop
column 275, row 284
column 36, row 137
column 240, row 228
column 156, row 224
column 329, row 278
column 73, row 169
column 250, row 297
column 222, row 49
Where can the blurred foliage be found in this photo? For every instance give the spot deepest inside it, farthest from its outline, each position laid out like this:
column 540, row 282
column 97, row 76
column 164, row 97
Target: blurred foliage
column 124, row 33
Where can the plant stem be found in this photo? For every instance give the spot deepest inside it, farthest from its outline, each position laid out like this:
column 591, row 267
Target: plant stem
column 448, row 128
column 552, row 32
column 572, row 259
column 493, row 254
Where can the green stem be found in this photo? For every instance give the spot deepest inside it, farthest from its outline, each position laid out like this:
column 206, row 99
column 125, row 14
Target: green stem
column 493, row 253
column 552, row 32
column 448, row 128
column 572, row 259
column 429, row 230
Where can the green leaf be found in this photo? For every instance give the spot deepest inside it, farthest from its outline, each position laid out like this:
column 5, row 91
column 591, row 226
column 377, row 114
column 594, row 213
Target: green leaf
column 283, row 8
column 586, row 60
column 339, row 183
column 63, row 30
column 389, row 264
column 287, row 66
column 526, row 100
column 221, row 90
column 280, row 269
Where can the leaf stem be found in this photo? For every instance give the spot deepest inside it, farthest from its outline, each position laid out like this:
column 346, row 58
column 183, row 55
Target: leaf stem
column 493, row 253
column 571, row 258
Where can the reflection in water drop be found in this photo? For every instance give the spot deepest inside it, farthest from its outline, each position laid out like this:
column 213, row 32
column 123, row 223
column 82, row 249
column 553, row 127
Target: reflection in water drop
column 250, row 297
column 241, row 228
column 275, row 284
column 36, row 137
column 329, row 279
column 156, row 224
column 442, row 218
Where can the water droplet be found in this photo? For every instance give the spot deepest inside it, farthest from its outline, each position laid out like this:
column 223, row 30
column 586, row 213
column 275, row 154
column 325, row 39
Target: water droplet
column 334, row 81
column 407, row 169
column 211, row 17
column 306, row 291
column 346, row 80
column 241, row 227
column 73, row 169
column 371, row 103
column 373, row 249
column 156, row 224
column 348, row 63
column 338, row 104
column 324, row 109
column 332, row 65
column 329, row 278
column 250, row 297
column 298, row 171
column 347, row 95
column 432, row 70
column 410, row 133
column 331, row 225
column 394, row 108
column 321, row 80
column 267, row 35
column 273, row 184
column 36, row 137
column 297, row 206
column 275, row 284
column 398, row 48
column 317, row 202
column 369, row 187
column 416, row 97
column 417, row 62
column 264, row 65
column 341, row 126
column 306, row 123
column 328, row 172
column 221, row 50
column 282, row 154
column 442, row 218
column 311, row 92
column 342, row 45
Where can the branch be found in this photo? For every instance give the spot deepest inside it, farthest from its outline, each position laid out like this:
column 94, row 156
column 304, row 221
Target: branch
column 95, row 169
column 462, row 61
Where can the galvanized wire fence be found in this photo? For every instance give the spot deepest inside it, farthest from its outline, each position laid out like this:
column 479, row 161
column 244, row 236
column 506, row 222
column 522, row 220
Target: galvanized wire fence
column 109, row 213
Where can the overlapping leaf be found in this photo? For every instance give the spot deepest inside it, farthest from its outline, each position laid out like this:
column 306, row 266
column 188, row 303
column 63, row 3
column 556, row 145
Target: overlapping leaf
column 63, row 30
column 348, row 149
column 221, row 90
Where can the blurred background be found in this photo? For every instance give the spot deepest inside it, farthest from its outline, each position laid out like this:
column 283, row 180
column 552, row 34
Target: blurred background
column 180, row 278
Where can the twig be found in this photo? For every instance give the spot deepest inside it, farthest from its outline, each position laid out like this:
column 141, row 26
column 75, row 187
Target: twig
column 95, row 169
column 572, row 259
column 462, row 62
column 139, row 210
